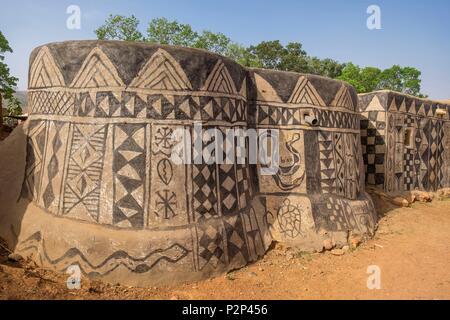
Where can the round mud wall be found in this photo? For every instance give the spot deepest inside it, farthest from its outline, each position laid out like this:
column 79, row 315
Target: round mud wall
column 100, row 138
column 318, row 191
column 100, row 189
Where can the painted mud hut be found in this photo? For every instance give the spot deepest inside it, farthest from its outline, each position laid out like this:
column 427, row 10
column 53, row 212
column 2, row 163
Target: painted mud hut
column 97, row 186
column 406, row 142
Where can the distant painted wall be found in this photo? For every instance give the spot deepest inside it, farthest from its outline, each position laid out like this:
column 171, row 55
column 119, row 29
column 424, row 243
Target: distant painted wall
column 405, row 142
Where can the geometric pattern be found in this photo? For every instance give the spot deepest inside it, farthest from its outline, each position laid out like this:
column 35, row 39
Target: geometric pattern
column 220, row 80
column 351, row 143
column 409, row 175
column 56, row 149
column 339, row 157
column 211, row 245
column 111, row 161
column 48, row 102
column 281, row 116
column 236, row 244
column 129, row 175
column 408, row 157
column 162, row 72
column 432, row 169
column 416, row 164
column 339, row 166
column 97, row 71
column 373, row 130
column 204, row 193
column 335, row 214
column 244, row 185
column 255, row 241
column 228, row 190
column 343, row 99
column 36, row 138
column 336, row 119
column 44, row 72
column 83, row 177
column 327, row 162
column 304, row 92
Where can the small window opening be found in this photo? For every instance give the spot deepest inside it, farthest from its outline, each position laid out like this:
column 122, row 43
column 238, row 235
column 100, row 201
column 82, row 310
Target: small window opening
column 409, row 138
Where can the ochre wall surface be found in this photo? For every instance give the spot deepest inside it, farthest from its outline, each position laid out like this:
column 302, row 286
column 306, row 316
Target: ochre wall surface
column 100, row 190
column 406, row 142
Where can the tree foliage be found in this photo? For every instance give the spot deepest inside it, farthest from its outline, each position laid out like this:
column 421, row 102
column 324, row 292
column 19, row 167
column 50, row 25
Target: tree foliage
column 119, row 27
column 163, row 31
column 396, row 78
column 7, row 82
column 266, row 54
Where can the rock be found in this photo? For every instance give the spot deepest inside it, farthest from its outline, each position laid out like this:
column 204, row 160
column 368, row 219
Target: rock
column 399, row 201
column 252, row 274
column 410, row 197
column 346, row 248
column 423, row 196
column 15, row 257
column 444, row 192
column 173, row 298
column 337, row 252
column 328, row 244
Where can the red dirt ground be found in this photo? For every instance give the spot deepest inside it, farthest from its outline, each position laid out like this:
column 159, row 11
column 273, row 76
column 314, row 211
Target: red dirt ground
column 411, row 247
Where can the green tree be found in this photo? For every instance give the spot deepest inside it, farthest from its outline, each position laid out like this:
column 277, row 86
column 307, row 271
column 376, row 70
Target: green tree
column 396, row 78
column 363, row 79
column 266, row 54
column 163, row 31
column 406, row 80
column 325, row 67
column 294, row 58
column 243, row 56
column 7, row 82
column 214, row 42
column 119, row 27
column 269, row 53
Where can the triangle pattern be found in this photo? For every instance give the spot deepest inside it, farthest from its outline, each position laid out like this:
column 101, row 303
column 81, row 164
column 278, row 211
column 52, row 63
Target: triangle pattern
column 220, row 80
column 403, row 106
column 393, row 106
column 44, row 72
column 304, row 92
column 375, row 105
column 97, row 71
column 162, row 72
column 265, row 91
column 343, row 99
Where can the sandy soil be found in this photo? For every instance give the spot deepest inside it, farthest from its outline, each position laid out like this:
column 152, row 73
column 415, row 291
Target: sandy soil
column 411, row 247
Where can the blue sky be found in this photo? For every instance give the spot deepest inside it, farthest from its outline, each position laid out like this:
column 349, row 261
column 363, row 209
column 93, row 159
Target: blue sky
column 414, row 33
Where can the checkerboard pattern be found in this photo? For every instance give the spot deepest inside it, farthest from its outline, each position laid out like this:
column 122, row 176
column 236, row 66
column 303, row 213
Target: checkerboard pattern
column 373, row 126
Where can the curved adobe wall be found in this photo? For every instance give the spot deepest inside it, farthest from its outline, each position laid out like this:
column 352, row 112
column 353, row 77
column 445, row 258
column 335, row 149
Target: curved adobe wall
column 318, row 192
column 406, row 142
column 102, row 114
column 106, row 196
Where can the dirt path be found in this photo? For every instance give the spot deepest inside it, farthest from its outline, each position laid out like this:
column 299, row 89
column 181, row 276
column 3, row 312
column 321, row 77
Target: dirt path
column 411, row 247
